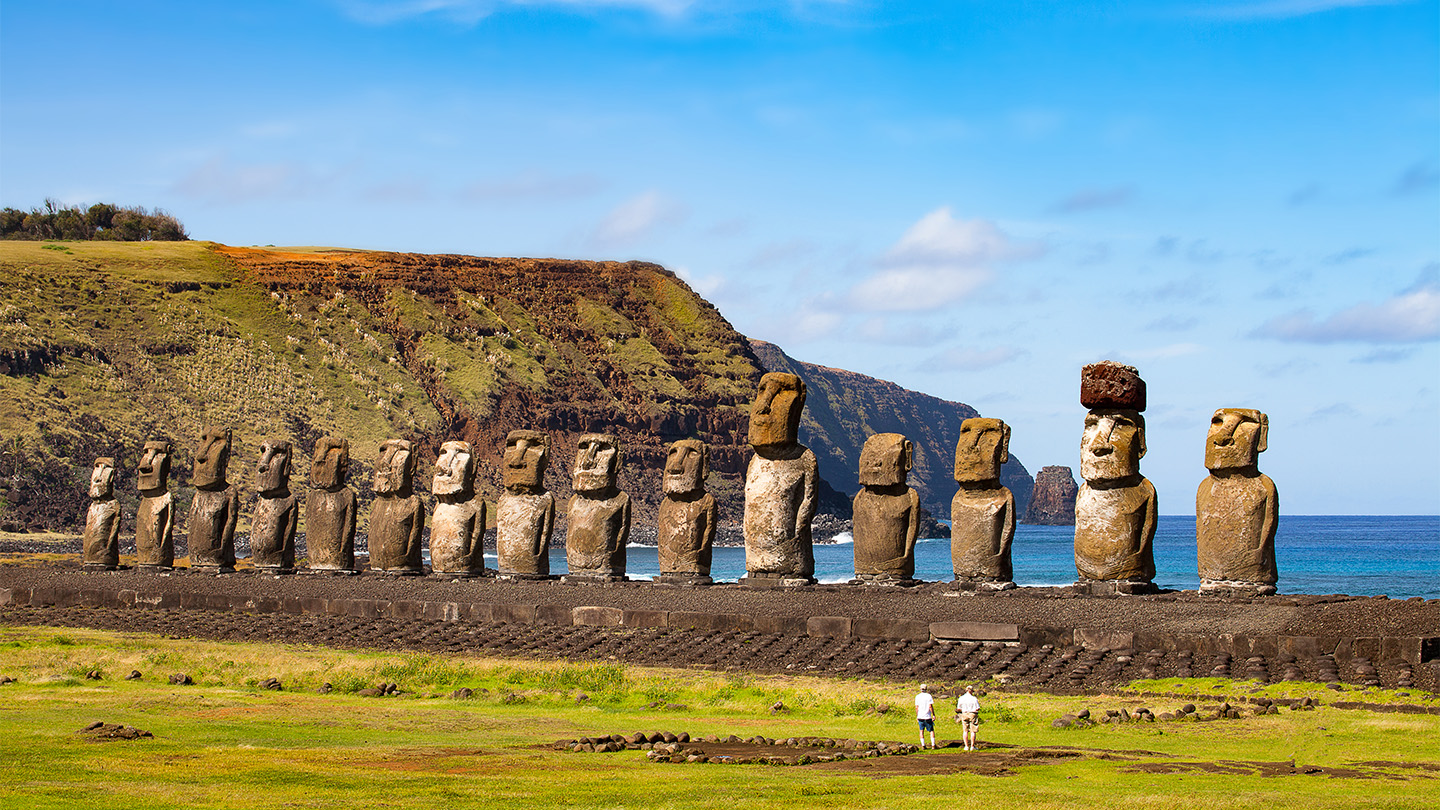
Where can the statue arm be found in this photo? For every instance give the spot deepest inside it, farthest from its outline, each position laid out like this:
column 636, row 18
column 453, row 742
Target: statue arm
column 806, row 513
column 232, row 512
column 417, row 526
column 1007, row 533
column 623, row 538
column 707, row 535
column 167, row 520
column 115, row 524
column 294, row 522
column 912, row 531
column 351, row 507
column 1272, row 512
column 547, row 526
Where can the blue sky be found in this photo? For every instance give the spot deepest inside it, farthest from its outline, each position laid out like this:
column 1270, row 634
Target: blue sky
column 973, row 199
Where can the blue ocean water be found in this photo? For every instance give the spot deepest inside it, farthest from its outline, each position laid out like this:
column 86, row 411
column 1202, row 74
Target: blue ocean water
column 1316, row 554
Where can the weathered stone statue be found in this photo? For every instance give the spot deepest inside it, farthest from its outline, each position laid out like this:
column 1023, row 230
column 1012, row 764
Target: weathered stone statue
column 982, row 513
column 330, row 509
column 780, row 488
column 685, row 527
column 216, row 506
column 155, row 516
column 1237, row 509
column 277, row 511
column 598, row 513
column 102, row 521
column 457, row 528
column 1116, row 508
column 525, row 514
column 886, row 512
column 397, row 518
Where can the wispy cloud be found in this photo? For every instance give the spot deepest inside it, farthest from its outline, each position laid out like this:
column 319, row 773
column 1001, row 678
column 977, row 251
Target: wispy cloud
column 1412, row 316
column 1092, row 198
column 1348, row 255
column 532, row 186
column 1172, row 323
column 637, row 218
column 1167, row 352
column 1280, row 9
column 964, row 358
column 470, row 12
column 1417, row 178
column 220, row 181
column 1386, row 355
column 1304, row 194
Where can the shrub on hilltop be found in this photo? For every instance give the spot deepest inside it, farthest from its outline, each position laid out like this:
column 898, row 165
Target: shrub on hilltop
column 99, row 221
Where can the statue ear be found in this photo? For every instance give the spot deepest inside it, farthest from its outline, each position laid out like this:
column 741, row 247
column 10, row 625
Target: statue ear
column 1005, row 443
column 704, row 460
column 1140, row 434
column 1264, row 438
column 908, row 461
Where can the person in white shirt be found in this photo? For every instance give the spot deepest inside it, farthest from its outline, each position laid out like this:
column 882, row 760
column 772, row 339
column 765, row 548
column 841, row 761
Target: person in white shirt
column 967, row 711
column 925, row 714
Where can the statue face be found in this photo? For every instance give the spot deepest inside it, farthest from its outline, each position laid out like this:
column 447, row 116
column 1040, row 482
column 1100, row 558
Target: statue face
column 527, row 454
column 102, row 479
column 331, row 463
column 212, row 456
column 154, row 469
column 395, row 468
column 597, row 461
column 1113, row 444
column 775, row 416
column 686, row 466
column 885, row 460
column 272, row 474
column 984, row 445
column 1236, row 438
column 454, row 469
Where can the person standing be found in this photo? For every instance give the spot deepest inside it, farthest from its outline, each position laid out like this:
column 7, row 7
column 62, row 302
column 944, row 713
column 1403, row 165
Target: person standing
column 925, row 714
column 967, row 711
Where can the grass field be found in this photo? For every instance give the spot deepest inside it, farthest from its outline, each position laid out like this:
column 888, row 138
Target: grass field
column 226, row 742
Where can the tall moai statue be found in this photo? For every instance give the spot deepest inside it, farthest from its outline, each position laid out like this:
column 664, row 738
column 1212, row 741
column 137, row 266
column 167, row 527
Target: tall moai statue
column 101, row 542
column 598, row 514
column 685, row 526
column 155, row 516
column 1237, row 509
column 982, row 513
column 1115, row 510
column 780, row 488
column 886, row 515
column 397, row 518
column 277, row 511
column 525, row 513
column 330, row 509
column 457, row 526
column 216, row 506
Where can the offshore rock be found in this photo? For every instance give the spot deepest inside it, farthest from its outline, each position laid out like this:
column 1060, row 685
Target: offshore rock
column 1052, row 503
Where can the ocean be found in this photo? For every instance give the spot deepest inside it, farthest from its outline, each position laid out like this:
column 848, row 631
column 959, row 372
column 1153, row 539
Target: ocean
column 1398, row 556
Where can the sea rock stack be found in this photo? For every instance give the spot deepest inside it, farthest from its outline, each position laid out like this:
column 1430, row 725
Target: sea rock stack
column 1052, row 503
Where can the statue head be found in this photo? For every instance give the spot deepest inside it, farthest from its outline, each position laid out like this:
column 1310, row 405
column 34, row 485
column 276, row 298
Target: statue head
column 984, row 445
column 527, row 454
column 272, row 473
column 102, row 479
column 1112, row 445
column 686, row 465
column 775, row 415
column 154, row 469
column 331, row 463
column 212, row 456
column 1237, row 437
column 395, row 468
column 597, row 462
column 454, row 469
column 885, row 460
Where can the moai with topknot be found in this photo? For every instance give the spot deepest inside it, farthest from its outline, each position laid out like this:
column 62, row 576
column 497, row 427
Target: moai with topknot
column 101, row 542
column 397, row 517
column 155, row 515
column 457, row 526
column 886, row 514
column 525, row 513
column 1115, row 510
column 598, row 514
column 216, row 507
column 330, row 509
column 780, row 488
column 685, row 526
column 277, row 511
column 982, row 513
column 1237, row 509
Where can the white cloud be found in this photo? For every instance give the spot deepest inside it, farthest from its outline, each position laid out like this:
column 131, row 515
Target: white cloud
column 1282, row 9
column 962, row 358
column 1410, row 317
column 938, row 260
column 637, row 218
column 707, row 286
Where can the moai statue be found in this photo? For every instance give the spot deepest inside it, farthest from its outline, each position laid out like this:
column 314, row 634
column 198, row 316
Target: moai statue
column 685, row 527
column 216, row 506
column 598, row 513
column 155, row 516
column 1237, row 509
column 277, row 511
column 886, row 512
column 330, row 509
column 1116, row 507
column 397, row 518
column 525, row 513
column 982, row 514
column 780, row 488
column 457, row 527
column 102, row 520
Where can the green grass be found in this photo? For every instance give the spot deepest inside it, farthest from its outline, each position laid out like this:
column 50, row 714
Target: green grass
column 226, row 743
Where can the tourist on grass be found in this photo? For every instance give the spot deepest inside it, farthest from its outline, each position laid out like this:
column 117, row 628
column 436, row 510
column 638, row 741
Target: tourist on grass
column 925, row 714
column 967, row 711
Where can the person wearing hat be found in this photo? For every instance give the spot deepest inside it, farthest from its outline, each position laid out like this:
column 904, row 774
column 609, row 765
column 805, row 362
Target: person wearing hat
column 967, row 712
column 925, row 714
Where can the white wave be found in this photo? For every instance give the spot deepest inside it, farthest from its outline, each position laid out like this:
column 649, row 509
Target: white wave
column 841, row 580
column 840, row 539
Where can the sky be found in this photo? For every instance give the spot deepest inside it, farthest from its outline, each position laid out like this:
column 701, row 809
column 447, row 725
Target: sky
column 971, row 198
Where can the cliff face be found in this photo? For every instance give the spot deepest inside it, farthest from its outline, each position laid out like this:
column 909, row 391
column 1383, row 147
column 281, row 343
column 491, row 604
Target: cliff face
column 843, row 408
column 1053, row 502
